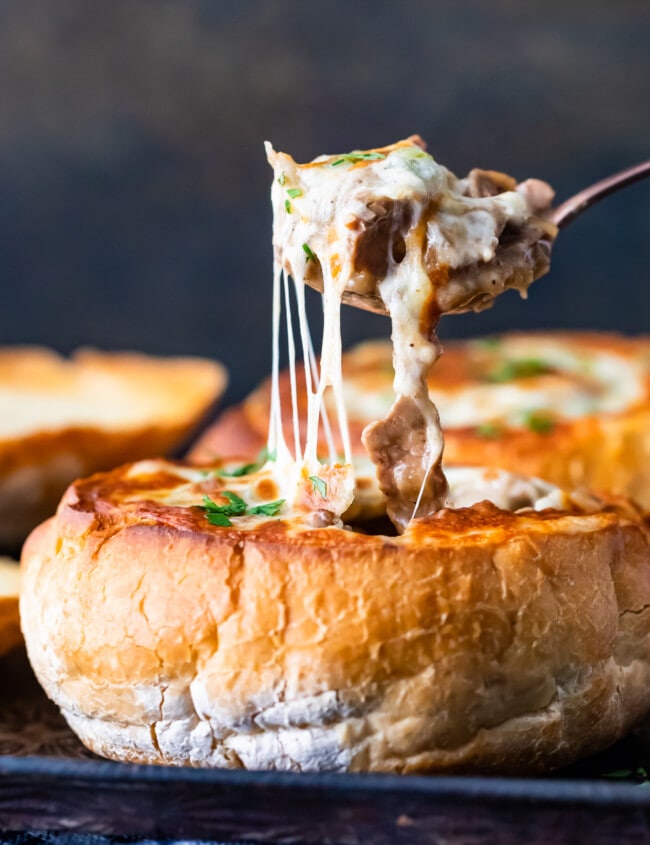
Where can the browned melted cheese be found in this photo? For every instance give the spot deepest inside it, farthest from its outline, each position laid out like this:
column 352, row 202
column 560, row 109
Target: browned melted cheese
column 164, row 494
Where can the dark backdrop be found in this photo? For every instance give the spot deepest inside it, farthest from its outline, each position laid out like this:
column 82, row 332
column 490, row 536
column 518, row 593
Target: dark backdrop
column 133, row 186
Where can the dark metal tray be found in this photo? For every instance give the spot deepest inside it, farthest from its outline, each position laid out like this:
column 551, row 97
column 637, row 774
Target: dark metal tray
column 48, row 781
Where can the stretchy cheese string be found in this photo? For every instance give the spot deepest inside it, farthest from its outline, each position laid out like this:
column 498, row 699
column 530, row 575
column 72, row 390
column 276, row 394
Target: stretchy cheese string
column 276, row 445
column 299, row 291
column 291, row 344
column 292, row 467
column 310, row 366
column 331, row 448
column 330, row 371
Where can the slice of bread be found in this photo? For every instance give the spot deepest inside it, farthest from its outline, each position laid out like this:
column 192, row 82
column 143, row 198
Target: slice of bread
column 61, row 419
column 10, row 635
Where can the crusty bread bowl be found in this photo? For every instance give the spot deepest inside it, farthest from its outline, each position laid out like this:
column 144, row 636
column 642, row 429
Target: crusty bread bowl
column 479, row 640
column 10, row 635
column 64, row 418
column 570, row 407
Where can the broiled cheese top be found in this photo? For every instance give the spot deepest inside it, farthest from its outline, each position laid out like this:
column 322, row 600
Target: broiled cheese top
column 505, row 380
column 224, row 488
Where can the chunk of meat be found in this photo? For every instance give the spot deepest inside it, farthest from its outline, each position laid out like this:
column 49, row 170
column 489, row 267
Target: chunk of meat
column 488, row 183
column 400, row 445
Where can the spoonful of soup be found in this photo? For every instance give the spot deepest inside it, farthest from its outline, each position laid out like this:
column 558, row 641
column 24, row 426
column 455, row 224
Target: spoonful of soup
column 479, row 235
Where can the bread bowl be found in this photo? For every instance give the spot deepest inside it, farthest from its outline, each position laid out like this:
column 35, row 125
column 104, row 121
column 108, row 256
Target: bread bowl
column 235, row 615
column 64, row 418
column 570, row 407
column 479, row 640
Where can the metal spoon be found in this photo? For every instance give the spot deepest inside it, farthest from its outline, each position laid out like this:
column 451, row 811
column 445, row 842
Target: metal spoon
column 575, row 205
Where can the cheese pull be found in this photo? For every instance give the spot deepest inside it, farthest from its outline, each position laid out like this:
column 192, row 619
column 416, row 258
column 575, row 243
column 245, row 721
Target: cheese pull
column 392, row 230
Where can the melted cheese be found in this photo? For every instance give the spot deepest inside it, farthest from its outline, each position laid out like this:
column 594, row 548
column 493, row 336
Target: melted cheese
column 581, row 381
column 185, row 486
column 322, row 212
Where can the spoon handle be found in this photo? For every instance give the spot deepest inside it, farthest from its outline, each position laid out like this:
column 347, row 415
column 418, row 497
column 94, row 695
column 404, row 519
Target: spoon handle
column 575, row 205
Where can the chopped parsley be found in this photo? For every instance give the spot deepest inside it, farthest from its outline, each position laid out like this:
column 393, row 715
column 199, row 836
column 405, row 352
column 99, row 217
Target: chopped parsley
column 308, row 252
column 490, row 342
column 218, row 518
column 319, row 485
column 247, row 469
column 237, row 506
column 287, row 206
column 220, row 514
column 237, row 472
column 352, row 158
column 539, row 421
column 282, row 178
column 294, row 193
column 517, row 368
column 639, row 775
column 489, row 430
column 269, row 509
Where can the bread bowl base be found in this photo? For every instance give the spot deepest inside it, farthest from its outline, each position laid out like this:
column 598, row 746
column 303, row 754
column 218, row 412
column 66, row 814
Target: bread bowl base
column 49, row 782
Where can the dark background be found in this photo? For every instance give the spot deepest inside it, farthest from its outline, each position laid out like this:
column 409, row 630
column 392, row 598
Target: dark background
column 134, row 190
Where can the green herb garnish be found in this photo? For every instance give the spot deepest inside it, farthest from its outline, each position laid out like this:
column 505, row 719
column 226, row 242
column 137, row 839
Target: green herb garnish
column 319, row 485
column 521, row 368
column 236, row 504
column 294, row 192
column 248, row 469
column 287, row 206
column 218, row 518
column 639, row 774
column 489, row 430
column 310, row 255
column 619, row 774
column 351, row 158
column 539, row 422
column 219, row 514
column 491, row 342
column 282, row 178
column 269, row 509
column 245, row 469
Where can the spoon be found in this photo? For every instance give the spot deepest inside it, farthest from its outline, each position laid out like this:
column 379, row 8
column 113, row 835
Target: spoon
column 560, row 216
column 575, row 205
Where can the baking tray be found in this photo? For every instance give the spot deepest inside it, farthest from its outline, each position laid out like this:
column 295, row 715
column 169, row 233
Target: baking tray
column 48, row 781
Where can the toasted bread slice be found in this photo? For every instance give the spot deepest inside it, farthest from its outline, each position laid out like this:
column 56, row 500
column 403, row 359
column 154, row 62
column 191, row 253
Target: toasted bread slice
column 64, row 418
column 10, row 635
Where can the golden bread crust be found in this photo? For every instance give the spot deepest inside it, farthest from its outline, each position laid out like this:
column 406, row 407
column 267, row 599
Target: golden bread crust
column 10, row 635
column 595, row 450
column 68, row 418
column 479, row 640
